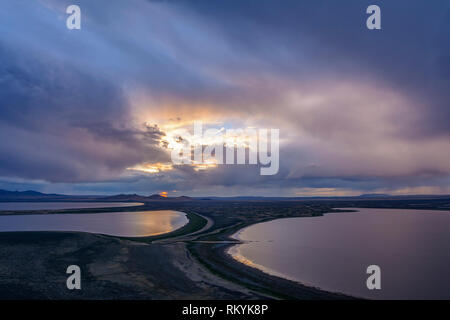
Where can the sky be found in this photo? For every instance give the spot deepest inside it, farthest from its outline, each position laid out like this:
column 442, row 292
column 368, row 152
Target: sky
column 95, row 110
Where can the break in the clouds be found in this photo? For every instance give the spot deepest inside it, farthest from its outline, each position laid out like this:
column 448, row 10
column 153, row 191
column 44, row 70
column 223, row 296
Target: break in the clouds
column 359, row 111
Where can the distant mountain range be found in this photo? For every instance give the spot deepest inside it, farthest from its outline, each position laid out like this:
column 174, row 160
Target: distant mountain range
column 138, row 198
column 38, row 196
column 26, row 195
column 375, row 195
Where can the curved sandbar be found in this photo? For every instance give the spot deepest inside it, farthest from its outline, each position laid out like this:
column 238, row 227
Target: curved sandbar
column 189, row 264
column 211, row 252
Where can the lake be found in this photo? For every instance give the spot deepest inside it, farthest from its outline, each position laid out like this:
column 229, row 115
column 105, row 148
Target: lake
column 125, row 224
column 412, row 248
column 16, row 206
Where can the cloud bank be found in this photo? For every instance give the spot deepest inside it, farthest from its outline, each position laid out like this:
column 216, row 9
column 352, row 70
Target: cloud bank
column 358, row 111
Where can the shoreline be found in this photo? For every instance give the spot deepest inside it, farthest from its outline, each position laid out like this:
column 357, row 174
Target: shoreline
column 215, row 257
column 189, row 263
column 210, row 255
column 237, row 257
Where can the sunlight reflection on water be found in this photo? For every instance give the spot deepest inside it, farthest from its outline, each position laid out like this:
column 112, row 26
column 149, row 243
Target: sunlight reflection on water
column 125, row 224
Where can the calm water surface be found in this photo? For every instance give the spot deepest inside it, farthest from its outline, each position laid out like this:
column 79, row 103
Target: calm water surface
column 332, row 252
column 126, row 224
column 13, row 206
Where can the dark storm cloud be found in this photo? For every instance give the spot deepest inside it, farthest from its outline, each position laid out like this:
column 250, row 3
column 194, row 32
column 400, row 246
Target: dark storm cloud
column 411, row 53
column 61, row 124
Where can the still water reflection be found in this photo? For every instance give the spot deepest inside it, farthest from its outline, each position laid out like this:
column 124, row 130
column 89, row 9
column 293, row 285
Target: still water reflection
column 126, row 224
column 332, row 252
